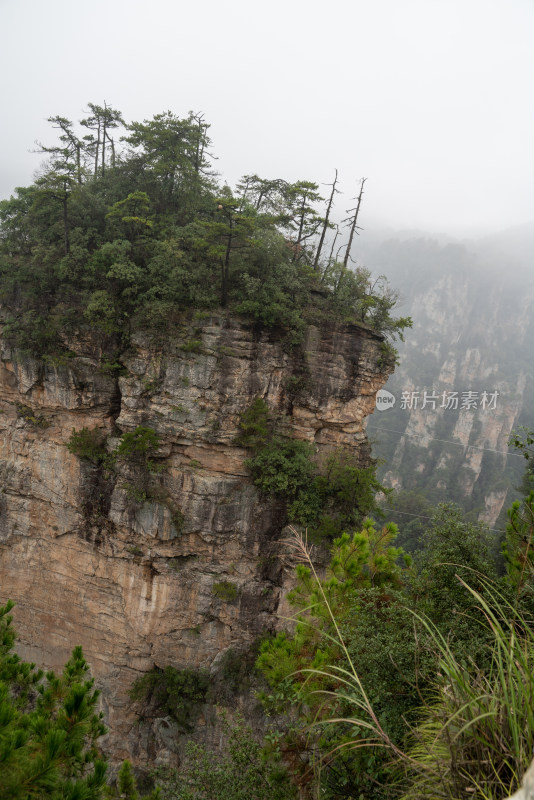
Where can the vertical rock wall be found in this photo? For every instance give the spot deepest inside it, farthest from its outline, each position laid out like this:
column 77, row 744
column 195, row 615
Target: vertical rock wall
column 89, row 561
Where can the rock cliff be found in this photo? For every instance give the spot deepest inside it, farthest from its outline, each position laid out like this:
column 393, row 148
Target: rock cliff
column 472, row 309
column 132, row 577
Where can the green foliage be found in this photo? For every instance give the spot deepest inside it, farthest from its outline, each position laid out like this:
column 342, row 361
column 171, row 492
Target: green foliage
column 363, row 560
column 138, row 446
column 523, row 440
column 126, row 786
column 453, row 547
column 88, row 444
column 255, row 425
column 109, row 240
column 241, row 772
column 518, row 547
column 192, row 346
column 476, row 735
column 111, row 366
column 225, row 590
column 173, row 692
column 49, row 727
column 328, row 498
column 135, row 446
column 400, row 705
column 131, row 215
column 412, row 512
column 235, row 673
column 31, row 333
column 358, row 588
column 282, row 467
column 363, row 658
column 341, row 495
column 134, row 493
column 395, row 670
column 28, row 414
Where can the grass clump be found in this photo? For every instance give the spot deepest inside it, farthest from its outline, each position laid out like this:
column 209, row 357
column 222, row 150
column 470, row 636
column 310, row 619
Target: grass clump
column 476, row 736
column 226, row 591
column 26, row 413
column 192, row 346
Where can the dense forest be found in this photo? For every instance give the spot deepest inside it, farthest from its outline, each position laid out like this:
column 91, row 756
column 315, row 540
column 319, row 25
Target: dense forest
column 134, row 229
column 402, row 676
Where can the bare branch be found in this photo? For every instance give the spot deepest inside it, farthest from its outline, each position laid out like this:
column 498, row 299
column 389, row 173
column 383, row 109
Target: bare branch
column 354, row 226
column 325, row 225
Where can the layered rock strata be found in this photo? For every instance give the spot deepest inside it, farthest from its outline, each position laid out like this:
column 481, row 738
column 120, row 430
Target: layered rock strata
column 134, row 576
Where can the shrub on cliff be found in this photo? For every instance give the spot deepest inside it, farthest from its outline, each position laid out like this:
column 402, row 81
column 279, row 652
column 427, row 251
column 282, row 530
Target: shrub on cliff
column 174, row 692
column 243, row 771
column 88, row 444
column 139, row 446
column 328, row 498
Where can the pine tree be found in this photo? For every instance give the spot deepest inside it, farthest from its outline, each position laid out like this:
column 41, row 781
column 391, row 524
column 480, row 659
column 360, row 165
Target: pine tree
column 49, row 727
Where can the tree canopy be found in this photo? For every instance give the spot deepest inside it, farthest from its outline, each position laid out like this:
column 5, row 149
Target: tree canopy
column 127, row 225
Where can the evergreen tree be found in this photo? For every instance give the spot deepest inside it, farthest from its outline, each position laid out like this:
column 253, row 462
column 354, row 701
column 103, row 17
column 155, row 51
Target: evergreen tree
column 120, row 236
column 49, row 727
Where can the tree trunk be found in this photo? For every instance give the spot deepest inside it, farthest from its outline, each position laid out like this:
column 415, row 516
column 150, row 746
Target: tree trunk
column 104, row 134
column 226, row 269
column 354, row 225
column 66, row 223
column 78, row 162
column 325, row 226
column 330, row 256
column 301, row 227
column 97, row 148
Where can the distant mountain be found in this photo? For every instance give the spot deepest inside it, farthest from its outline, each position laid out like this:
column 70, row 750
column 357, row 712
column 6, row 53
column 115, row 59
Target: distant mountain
column 472, row 304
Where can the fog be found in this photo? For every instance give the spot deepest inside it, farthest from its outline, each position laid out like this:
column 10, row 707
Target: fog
column 431, row 100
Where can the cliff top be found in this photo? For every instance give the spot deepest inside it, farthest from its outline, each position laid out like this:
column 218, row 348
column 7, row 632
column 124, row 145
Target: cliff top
column 122, row 234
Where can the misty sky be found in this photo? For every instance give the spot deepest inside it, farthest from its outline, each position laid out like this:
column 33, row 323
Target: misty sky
column 431, row 100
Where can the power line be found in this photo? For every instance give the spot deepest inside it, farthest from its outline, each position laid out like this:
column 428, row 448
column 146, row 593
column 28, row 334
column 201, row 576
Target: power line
column 422, row 516
column 447, row 441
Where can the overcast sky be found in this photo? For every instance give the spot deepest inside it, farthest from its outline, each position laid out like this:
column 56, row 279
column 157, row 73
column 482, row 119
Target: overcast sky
column 431, row 100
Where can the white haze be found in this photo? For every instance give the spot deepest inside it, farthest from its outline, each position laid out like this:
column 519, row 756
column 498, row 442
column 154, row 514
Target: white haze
column 431, row 100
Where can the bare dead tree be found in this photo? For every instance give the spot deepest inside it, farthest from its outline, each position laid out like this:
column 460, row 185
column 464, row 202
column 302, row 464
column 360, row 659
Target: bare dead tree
column 353, row 222
column 325, row 224
column 330, row 257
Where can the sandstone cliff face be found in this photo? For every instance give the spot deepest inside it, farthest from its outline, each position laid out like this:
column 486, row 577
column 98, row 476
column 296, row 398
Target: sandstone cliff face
column 132, row 579
column 472, row 333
